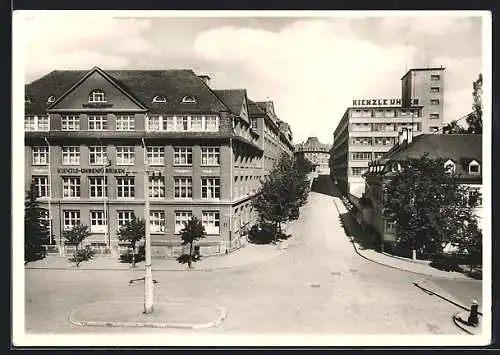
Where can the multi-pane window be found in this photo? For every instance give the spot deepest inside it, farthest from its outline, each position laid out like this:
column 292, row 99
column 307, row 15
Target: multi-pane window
column 358, row 171
column 210, row 156
column 435, row 89
column 97, row 221
column 168, row 123
column 40, row 155
column 71, row 186
column 123, row 217
column 97, row 155
column 434, row 115
column 71, row 218
column 154, row 123
column 71, row 155
column 70, row 123
column 181, row 217
column 182, row 123
column 390, row 227
column 434, row 102
column 125, row 187
column 378, row 155
column 362, row 140
column 36, row 123
column 183, row 156
column 98, row 123
column 183, row 187
column 98, row 186
column 253, row 123
column 435, row 77
column 210, row 187
column 361, row 156
column 42, row 185
column 196, row 123
column 212, row 123
column 156, row 187
column 361, row 127
column 157, row 221
column 156, row 155
column 125, row 123
column 97, row 96
column 383, row 127
column 160, row 123
column 125, row 155
column 384, row 141
column 211, row 222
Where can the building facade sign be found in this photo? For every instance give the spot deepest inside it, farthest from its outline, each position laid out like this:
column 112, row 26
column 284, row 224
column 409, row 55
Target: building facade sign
column 90, row 171
column 381, row 102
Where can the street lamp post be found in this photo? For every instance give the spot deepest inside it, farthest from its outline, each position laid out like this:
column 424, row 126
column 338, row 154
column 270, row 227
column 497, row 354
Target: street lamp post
column 50, row 193
column 148, row 279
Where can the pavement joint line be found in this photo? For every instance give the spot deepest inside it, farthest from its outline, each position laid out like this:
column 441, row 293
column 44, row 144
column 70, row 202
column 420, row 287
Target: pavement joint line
column 395, row 267
column 219, row 320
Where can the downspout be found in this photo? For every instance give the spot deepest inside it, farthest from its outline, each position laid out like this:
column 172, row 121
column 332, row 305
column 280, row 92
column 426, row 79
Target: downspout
column 230, row 192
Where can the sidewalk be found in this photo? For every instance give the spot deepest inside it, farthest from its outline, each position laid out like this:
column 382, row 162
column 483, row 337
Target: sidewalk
column 248, row 255
column 416, row 267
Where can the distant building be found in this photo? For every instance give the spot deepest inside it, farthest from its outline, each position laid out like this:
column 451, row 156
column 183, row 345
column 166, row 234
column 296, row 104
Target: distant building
column 463, row 154
column 91, row 135
column 316, row 152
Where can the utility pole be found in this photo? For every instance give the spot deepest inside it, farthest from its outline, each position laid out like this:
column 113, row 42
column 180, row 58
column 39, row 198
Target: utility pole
column 148, row 279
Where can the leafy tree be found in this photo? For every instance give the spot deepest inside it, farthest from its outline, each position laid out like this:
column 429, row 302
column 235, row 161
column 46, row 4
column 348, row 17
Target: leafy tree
column 132, row 232
column 475, row 118
column 454, row 128
column 304, row 164
column 282, row 193
column 36, row 229
column 193, row 230
column 75, row 236
column 428, row 205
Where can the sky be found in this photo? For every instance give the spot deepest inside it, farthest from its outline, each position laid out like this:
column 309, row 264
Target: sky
column 310, row 65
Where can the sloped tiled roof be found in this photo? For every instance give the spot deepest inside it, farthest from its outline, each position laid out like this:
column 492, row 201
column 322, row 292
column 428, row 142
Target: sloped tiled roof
column 143, row 85
column 313, row 144
column 254, row 109
column 233, row 99
column 461, row 148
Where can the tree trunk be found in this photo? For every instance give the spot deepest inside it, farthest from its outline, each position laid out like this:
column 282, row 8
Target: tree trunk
column 133, row 255
column 190, row 254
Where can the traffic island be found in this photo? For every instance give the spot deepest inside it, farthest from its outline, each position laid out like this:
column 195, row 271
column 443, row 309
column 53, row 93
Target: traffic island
column 461, row 319
column 164, row 315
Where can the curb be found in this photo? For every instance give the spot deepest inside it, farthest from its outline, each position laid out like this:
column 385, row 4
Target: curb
column 122, row 324
column 395, row 267
column 456, row 319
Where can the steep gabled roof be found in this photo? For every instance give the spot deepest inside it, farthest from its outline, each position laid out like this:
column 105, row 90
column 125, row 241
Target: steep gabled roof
column 143, row 85
column 233, row 99
column 254, row 109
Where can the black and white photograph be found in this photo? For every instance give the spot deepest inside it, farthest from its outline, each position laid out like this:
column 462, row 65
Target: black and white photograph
column 251, row 178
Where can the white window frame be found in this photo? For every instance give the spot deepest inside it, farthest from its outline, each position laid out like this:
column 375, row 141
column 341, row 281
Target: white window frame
column 434, row 116
column 98, row 221
column 360, row 156
column 210, row 156
column 123, row 216
column 389, row 227
column 185, row 152
column 125, row 155
column 125, row 122
column 42, row 185
column 435, row 77
column 97, row 123
column 51, row 99
column 196, row 121
column 157, row 221
column 70, row 123
column 159, row 99
column 434, row 101
column 182, row 123
column 450, row 166
column 475, row 163
column 211, row 222
column 189, row 99
column 212, row 123
column 125, row 187
column 157, row 187
column 36, row 123
column 96, row 184
column 435, row 89
column 71, row 186
column 361, row 169
column 99, row 152
column 210, row 187
column 183, row 187
column 156, row 155
column 97, row 96
column 70, row 155
column 71, row 218
column 40, row 155
column 180, row 218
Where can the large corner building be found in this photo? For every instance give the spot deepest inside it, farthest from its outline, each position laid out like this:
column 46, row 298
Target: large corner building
column 96, row 142
column 369, row 128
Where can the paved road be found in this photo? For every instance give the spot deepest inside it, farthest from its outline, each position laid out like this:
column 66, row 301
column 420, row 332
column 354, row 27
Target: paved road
column 320, row 286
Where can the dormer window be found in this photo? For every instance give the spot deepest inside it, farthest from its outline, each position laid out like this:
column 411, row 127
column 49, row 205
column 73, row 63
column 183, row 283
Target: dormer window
column 27, row 100
column 97, row 96
column 51, row 99
column 159, row 98
column 188, row 100
column 474, row 168
column 450, row 167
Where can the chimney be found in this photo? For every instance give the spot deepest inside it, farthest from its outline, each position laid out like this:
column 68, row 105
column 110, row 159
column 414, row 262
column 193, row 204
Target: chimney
column 205, row 79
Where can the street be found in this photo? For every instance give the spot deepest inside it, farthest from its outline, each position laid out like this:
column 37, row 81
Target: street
column 319, row 286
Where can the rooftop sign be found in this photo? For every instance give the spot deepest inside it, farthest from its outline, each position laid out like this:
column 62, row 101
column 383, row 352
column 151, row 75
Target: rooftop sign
column 381, row 102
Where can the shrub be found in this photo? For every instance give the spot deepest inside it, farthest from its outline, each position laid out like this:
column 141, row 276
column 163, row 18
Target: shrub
column 80, row 255
column 129, row 257
column 445, row 262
